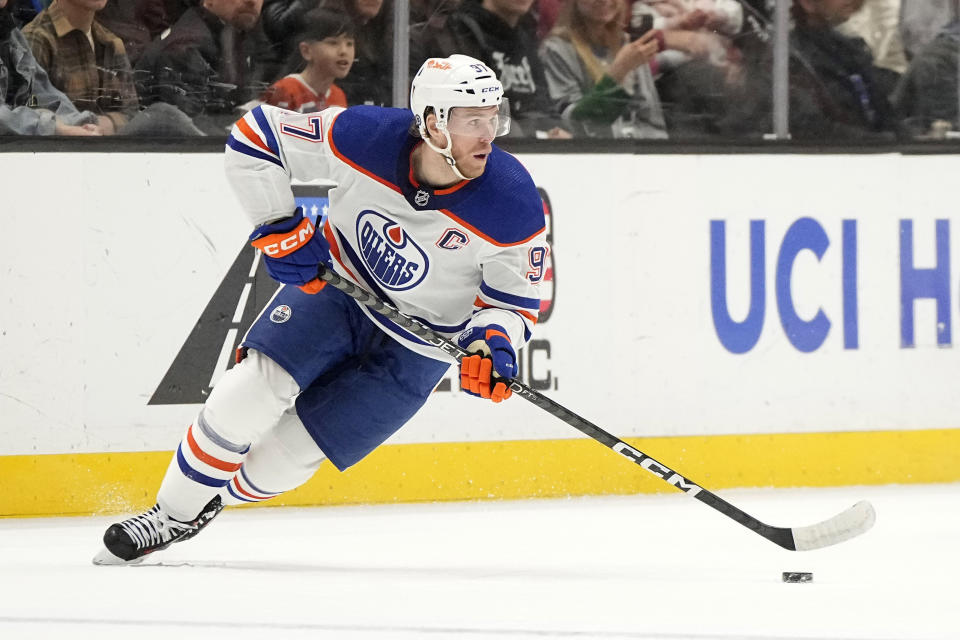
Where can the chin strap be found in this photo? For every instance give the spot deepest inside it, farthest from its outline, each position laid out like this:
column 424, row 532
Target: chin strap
column 445, row 152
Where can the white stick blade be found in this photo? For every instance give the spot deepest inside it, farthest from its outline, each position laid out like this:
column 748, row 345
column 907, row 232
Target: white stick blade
column 851, row 523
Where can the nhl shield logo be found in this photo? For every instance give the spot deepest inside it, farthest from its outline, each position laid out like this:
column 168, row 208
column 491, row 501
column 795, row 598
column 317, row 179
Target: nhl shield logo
column 422, row 198
column 281, row 314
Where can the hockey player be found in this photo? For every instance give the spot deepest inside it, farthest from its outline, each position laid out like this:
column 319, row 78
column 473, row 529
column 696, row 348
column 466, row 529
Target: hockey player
column 429, row 216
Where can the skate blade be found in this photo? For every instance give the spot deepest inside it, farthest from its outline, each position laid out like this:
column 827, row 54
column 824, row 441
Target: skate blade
column 105, row 558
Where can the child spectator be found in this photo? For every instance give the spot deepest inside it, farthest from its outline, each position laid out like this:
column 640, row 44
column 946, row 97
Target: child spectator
column 325, row 54
column 371, row 78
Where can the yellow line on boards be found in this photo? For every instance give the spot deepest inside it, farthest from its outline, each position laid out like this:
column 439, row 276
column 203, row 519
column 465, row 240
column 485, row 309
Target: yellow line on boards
column 101, row 483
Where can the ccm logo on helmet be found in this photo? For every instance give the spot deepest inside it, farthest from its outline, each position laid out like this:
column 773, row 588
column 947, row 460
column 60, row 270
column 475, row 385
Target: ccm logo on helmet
column 277, row 247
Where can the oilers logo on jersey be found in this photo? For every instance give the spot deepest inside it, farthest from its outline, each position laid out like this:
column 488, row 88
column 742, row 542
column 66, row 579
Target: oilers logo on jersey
column 390, row 254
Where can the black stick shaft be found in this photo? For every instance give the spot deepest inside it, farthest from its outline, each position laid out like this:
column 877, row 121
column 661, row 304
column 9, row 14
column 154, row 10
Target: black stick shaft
column 779, row 535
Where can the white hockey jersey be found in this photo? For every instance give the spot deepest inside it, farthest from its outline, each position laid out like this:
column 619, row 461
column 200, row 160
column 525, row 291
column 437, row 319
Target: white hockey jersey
column 468, row 255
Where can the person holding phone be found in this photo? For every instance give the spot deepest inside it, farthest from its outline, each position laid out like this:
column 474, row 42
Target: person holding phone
column 600, row 74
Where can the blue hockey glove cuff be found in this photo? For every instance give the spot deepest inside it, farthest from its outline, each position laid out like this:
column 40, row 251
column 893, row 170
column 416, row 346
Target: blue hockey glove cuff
column 292, row 248
column 493, row 359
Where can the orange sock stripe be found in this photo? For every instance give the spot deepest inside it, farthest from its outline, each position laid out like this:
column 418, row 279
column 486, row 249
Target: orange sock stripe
column 252, row 496
column 206, row 458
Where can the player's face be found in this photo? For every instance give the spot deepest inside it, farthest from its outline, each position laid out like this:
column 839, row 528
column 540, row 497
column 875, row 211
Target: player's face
column 472, row 130
column 332, row 57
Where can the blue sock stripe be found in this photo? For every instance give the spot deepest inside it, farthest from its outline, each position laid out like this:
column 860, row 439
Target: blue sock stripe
column 256, row 489
column 237, row 495
column 195, row 475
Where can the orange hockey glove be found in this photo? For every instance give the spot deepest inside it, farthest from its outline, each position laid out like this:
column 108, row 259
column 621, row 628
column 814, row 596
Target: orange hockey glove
column 488, row 372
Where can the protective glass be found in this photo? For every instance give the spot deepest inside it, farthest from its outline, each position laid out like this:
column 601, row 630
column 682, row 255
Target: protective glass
column 480, row 122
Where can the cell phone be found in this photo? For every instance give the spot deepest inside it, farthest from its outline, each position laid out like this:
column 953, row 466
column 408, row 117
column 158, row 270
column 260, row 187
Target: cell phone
column 639, row 25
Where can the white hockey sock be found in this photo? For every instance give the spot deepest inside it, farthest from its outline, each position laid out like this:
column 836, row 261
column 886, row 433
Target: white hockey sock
column 247, row 401
column 283, row 459
column 203, row 464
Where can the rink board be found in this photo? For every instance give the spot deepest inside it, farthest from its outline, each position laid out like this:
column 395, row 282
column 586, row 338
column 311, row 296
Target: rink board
column 803, row 307
column 100, row 483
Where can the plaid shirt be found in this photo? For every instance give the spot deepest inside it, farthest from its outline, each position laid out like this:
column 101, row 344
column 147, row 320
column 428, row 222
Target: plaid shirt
column 98, row 80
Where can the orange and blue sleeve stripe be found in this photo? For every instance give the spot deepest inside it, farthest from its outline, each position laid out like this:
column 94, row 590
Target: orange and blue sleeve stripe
column 532, row 304
column 527, row 308
column 255, row 141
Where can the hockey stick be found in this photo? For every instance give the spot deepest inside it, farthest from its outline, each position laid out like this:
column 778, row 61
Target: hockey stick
column 843, row 526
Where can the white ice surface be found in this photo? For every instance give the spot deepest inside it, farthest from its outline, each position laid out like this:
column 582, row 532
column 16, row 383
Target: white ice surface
column 619, row 567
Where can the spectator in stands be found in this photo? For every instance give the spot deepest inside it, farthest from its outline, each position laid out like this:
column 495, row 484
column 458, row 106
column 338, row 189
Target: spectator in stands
column 721, row 16
column 370, row 79
column 326, row 53
column 502, row 33
column 922, row 20
column 29, row 103
column 878, row 23
column 547, row 13
column 136, row 23
column 211, row 64
column 23, row 11
column 928, row 94
column 89, row 64
column 282, row 21
column 699, row 62
column 692, row 29
column 835, row 89
column 600, row 79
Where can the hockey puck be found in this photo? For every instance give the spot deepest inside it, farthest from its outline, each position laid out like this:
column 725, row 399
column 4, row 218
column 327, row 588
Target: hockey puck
column 797, row 576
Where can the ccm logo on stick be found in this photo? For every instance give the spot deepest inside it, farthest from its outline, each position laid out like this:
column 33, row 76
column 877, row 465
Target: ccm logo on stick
column 657, row 469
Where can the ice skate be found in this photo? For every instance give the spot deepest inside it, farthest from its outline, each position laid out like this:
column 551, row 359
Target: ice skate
column 128, row 542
